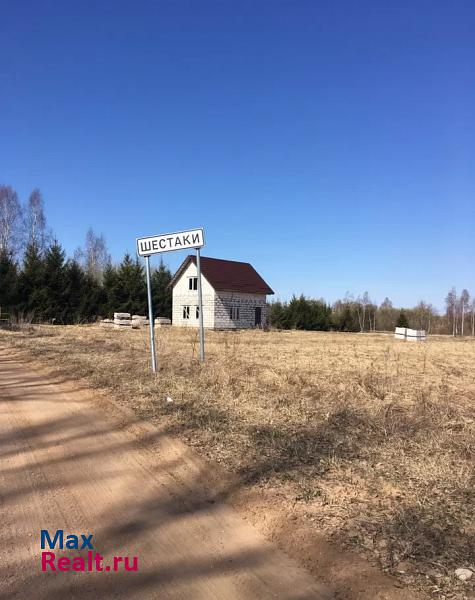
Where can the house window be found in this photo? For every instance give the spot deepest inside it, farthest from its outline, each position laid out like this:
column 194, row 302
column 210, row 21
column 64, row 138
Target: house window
column 234, row 313
column 192, row 283
column 197, row 312
column 186, row 312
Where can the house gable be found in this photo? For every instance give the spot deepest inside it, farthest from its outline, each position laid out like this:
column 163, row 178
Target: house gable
column 183, row 296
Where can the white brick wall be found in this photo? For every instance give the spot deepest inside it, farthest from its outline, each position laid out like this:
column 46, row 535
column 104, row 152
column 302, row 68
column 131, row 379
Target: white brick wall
column 247, row 304
column 183, row 296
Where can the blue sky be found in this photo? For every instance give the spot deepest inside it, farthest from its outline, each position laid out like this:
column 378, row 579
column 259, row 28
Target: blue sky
column 331, row 144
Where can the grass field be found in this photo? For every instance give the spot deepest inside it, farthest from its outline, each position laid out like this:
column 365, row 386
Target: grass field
column 370, row 438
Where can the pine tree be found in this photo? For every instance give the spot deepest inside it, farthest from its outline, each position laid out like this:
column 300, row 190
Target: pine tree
column 31, row 283
column 92, row 300
column 302, row 313
column 161, row 292
column 402, row 320
column 276, row 312
column 346, row 319
column 73, row 296
column 8, row 283
column 110, row 283
column 55, row 306
column 83, row 298
column 130, row 291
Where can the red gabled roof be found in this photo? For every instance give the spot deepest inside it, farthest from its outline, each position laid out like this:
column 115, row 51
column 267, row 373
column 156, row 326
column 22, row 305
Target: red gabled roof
column 227, row 275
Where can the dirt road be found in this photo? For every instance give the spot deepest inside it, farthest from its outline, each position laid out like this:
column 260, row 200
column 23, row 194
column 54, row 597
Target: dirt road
column 75, row 462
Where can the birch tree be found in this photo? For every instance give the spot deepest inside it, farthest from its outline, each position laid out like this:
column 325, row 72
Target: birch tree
column 94, row 257
column 10, row 220
column 464, row 302
column 451, row 304
column 35, row 221
column 362, row 304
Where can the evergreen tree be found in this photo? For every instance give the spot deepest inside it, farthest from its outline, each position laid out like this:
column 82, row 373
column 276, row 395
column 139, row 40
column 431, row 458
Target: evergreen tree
column 161, row 292
column 301, row 313
column 73, row 297
column 345, row 319
column 110, row 283
column 130, row 292
column 83, row 297
column 8, row 283
column 402, row 320
column 31, row 283
column 276, row 313
column 92, row 299
column 55, row 307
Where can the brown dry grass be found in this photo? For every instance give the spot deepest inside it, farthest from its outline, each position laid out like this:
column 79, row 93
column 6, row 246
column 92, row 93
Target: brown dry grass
column 372, row 437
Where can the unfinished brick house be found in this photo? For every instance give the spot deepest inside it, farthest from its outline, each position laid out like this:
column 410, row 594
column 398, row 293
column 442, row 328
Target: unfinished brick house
column 234, row 294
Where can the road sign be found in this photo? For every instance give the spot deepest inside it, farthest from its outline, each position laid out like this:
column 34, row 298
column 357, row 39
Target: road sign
column 181, row 240
column 167, row 242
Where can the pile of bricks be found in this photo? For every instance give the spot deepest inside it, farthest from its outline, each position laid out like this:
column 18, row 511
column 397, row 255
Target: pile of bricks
column 124, row 321
column 139, row 321
column 410, row 335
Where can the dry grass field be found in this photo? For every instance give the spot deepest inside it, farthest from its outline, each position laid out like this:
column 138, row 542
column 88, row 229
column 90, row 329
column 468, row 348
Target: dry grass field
column 367, row 439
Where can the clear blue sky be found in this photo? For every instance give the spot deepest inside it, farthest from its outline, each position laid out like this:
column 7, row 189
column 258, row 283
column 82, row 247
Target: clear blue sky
column 331, row 144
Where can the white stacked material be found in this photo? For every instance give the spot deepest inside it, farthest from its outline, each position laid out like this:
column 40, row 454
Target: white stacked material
column 138, row 323
column 122, row 320
column 400, row 333
column 410, row 335
column 416, row 335
column 121, row 316
column 121, row 323
column 162, row 322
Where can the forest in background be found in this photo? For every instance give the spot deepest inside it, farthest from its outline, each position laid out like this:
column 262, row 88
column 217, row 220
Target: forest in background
column 39, row 283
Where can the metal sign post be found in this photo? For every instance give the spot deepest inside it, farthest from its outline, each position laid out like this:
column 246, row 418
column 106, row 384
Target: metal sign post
column 200, row 307
column 150, row 315
column 167, row 242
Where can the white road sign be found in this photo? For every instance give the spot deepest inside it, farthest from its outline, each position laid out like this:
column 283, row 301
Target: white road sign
column 194, row 238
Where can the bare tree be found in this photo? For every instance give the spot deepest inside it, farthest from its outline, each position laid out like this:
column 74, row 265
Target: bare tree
column 472, row 316
column 360, row 313
column 451, row 303
column 10, row 220
column 424, row 313
column 35, row 221
column 431, row 312
column 372, row 312
column 386, row 315
column 464, row 301
column 94, row 257
column 362, row 304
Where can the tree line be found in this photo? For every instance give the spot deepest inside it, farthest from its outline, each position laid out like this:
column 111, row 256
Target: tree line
column 39, row 283
column 362, row 314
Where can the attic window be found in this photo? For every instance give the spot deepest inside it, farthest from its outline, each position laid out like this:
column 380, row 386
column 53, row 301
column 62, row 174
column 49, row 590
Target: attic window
column 192, row 283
